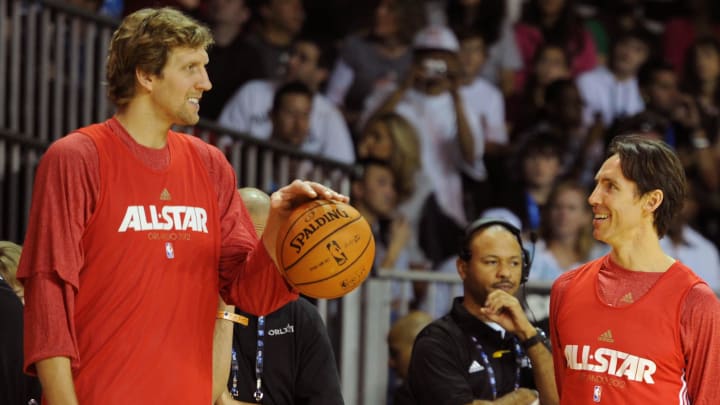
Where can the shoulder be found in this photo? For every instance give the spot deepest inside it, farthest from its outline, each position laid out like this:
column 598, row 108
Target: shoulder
column 74, row 149
column 701, row 307
column 354, row 43
column 305, row 309
column 439, row 332
column 323, row 105
column 213, row 159
column 75, row 142
column 595, row 75
column 255, row 88
column 563, row 282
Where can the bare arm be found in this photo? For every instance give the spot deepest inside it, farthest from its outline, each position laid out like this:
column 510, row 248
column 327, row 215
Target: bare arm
column 56, row 380
column 222, row 346
column 464, row 133
column 506, row 310
column 521, row 396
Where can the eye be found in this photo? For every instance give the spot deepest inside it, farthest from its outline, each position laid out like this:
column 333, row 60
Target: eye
column 490, row 262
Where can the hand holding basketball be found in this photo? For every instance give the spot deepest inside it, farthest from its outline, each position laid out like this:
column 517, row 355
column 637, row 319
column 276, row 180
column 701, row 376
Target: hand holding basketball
column 325, row 249
column 285, row 200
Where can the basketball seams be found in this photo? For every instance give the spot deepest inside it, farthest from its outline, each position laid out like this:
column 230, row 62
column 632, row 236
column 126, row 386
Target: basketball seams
column 310, row 248
column 320, row 225
column 365, row 248
column 314, row 204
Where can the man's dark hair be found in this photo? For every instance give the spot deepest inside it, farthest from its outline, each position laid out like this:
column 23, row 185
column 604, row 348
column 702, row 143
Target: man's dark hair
column 652, row 165
column 326, row 52
column 293, row 87
column 646, row 75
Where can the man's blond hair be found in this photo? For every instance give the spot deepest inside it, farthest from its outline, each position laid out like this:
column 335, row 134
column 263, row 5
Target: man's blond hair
column 144, row 41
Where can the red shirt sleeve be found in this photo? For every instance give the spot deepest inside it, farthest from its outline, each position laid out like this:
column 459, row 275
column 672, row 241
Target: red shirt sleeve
column 63, row 200
column 557, row 293
column 699, row 326
column 249, row 278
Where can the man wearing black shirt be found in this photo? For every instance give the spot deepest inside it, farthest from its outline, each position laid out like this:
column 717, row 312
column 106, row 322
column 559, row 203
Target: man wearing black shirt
column 485, row 349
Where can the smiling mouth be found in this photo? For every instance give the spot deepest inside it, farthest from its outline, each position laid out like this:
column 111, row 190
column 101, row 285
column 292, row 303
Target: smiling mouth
column 600, row 216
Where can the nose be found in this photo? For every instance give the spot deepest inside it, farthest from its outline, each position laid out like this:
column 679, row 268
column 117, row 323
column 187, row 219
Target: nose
column 204, row 84
column 593, row 199
column 503, row 271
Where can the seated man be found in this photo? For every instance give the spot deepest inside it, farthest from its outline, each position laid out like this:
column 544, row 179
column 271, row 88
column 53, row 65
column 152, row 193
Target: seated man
column 249, row 109
column 281, row 358
column 485, row 349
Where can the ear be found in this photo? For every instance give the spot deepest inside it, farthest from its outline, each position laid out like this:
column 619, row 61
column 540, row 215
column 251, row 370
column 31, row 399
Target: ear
column 653, row 199
column 144, row 80
column 461, row 268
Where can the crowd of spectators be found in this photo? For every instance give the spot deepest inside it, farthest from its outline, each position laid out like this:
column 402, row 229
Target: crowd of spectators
column 474, row 104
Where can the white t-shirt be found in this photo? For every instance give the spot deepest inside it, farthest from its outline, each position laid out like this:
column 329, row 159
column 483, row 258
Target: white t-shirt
column 434, row 119
column 484, row 100
column 698, row 253
column 603, row 93
column 249, row 111
column 546, row 268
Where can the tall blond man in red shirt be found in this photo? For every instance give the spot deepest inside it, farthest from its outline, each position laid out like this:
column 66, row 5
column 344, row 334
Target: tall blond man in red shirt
column 635, row 326
column 135, row 229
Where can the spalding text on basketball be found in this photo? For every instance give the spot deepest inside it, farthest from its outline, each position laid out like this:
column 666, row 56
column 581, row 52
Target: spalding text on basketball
column 298, row 241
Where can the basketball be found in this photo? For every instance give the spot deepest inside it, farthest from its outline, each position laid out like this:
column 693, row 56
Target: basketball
column 325, row 249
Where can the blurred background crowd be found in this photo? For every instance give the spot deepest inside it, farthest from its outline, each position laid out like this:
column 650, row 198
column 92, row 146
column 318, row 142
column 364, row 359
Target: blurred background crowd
column 450, row 108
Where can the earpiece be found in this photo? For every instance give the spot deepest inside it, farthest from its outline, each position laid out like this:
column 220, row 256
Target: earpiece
column 482, row 223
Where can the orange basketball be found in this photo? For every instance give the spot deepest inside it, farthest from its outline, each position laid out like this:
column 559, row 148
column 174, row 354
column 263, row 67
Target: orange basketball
column 325, row 249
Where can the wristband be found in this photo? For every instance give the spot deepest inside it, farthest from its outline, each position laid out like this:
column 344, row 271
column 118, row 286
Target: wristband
column 232, row 317
column 532, row 341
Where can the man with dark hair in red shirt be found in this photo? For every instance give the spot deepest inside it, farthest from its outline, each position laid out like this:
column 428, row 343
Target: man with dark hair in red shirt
column 635, row 326
column 135, row 229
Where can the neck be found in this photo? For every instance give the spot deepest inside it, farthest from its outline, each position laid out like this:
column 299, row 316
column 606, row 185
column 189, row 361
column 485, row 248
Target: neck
column 474, row 308
column 565, row 243
column 143, row 125
column 225, row 33
column 540, row 193
column 622, row 76
column 276, row 36
column 391, row 47
column 651, row 259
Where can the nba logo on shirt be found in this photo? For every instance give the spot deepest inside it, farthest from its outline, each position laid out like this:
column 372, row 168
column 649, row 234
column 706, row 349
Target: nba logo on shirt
column 169, row 251
column 597, row 392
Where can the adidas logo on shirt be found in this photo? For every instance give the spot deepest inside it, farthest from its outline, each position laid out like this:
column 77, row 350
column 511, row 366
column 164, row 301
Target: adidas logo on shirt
column 606, row 337
column 627, row 298
column 475, row 367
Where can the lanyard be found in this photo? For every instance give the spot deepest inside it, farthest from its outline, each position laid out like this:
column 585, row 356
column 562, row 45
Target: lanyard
column 235, row 367
column 491, row 371
column 259, row 359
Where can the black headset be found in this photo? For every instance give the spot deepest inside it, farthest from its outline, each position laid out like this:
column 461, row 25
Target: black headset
column 482, row 223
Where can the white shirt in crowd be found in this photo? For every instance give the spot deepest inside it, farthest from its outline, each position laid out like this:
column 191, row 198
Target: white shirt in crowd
column 248, row 111
column 603, row 93
column 485, row 101
column 434, row 119
column 698, row 253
